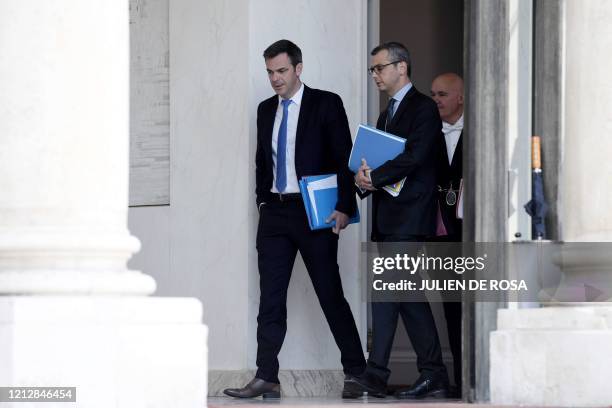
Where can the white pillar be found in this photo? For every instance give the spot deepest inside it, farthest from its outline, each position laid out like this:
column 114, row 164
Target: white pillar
column 587, row 168
column 558, row 356
column 64, row 158
column 64, row 125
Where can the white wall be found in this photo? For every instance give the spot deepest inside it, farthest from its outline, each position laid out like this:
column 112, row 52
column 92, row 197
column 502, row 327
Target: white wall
column 203, row 244
column 197, row 246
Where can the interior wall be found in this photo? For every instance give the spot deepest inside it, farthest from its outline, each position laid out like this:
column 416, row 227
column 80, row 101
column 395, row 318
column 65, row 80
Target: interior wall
column 198, row 245
column 432, row 30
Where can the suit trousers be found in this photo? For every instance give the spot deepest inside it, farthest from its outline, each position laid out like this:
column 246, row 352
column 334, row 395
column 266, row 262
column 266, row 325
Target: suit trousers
column 420, row 326
column 283, row 230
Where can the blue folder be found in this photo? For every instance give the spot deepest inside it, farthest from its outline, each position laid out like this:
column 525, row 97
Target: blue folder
column 375, row 146
column 320, row 195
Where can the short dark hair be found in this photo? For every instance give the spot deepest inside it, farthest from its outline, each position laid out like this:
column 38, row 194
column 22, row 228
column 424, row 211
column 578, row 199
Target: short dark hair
column 397, row 52
column 292, row 50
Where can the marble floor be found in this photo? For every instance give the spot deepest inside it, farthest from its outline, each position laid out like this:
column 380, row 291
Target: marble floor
column 224, row 402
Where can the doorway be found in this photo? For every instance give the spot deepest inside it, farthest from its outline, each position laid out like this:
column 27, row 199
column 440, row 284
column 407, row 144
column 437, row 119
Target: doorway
column 433, row 32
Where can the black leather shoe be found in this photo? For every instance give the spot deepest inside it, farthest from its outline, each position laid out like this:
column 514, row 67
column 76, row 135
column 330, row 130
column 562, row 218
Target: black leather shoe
column 350, row 389
column 357, row 386
column 424, row 388
column 255, row 388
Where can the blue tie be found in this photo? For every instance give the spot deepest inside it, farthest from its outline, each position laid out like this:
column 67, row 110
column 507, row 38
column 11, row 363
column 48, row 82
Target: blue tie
column 281, row 150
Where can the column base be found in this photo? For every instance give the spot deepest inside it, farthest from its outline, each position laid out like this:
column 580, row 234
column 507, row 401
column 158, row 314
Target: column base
column 554, row 356
column 74, row 282
column 65, row 261
column 117, row 351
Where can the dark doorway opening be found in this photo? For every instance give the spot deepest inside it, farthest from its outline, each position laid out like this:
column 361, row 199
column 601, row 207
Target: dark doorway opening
column 433, row 32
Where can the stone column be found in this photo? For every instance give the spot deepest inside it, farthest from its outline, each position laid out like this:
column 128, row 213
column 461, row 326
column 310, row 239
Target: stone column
column 486, row 158
column 558, row 355
column 64, row 157
column 63, row 214
column 587, row 168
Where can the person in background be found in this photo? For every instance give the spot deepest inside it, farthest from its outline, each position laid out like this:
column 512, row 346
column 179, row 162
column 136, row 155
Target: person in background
column 447, row 92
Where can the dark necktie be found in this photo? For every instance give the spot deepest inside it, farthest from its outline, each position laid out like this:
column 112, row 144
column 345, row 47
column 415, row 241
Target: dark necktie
column 281, row 149
column 389, row 112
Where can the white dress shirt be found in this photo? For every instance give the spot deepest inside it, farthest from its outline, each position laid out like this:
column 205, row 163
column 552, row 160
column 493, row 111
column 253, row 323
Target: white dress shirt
column 451, row 135
column 399, row 96
column 292, row 121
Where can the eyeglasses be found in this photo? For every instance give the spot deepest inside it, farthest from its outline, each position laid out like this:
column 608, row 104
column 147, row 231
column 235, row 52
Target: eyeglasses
column 378, row 68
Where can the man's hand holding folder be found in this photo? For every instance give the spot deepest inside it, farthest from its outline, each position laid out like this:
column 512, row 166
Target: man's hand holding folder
column 341, row 221
column 375, row 147
column 320, row 195
column 362, row 177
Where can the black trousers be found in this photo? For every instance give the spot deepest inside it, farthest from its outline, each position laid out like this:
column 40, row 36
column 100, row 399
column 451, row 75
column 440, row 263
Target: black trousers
column 283, row 230
column 420, row 326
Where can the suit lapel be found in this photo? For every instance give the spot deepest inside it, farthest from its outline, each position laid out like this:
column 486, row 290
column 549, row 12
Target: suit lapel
column 401, row 108
column 458, row 152
column 305, row 111
column 268, row 116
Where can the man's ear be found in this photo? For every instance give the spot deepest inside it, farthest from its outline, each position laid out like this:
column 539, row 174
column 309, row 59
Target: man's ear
column 403, row 67
column 460, row 99
column 298, row 69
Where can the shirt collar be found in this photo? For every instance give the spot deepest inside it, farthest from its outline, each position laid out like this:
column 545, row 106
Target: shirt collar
column 457, row 125
column 297, row 98
column 399, row 95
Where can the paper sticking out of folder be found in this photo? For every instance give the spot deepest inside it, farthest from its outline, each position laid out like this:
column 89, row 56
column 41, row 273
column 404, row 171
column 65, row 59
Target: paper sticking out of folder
column 394, row 189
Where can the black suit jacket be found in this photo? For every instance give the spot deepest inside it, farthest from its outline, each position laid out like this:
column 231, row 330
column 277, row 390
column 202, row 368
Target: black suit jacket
column 414, row 211
column 450, row 174
column 323, row 145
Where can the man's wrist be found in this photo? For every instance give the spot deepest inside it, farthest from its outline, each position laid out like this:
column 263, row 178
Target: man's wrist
column 360, row 189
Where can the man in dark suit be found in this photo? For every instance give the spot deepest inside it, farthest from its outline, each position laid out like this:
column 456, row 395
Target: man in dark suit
column 409, row 217
column 447, row 92
column 300, row 132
